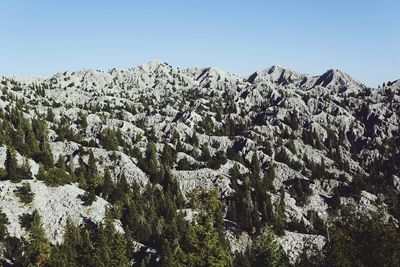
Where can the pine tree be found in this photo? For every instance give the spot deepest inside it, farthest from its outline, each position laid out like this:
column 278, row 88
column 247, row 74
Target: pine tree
column 39, row 248
column 152, row 162
column 11, row 166
column 121, row 189
column 66, row 254
column 108, row 186
column 110, row 249
column 86, row 249
column 50, row 115
column 175, row 137
column 336, row 203
column 168, row 155
column 44, row 156
column 195, row 140
column 118, row 246
column 3, row 226
column 243, row 259
column 269, row 177
column 205, row 248
column 170, row 183
column 18, row 139
column 102, row 253
column 108, row 139
column 267, row 148
column 235, row 176
column 61, row 164
column 167, row 256
column 280, row 217
column 24, row 193
column 206, row 155
column 82, row 120
column 267, row 252
column 269, row 212
column 255, row 164
column 92, row 168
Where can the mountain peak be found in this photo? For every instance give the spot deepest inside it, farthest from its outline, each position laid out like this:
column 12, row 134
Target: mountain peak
column 278, row 75
column 154, row 65
column 275, row 68
column 338, row 79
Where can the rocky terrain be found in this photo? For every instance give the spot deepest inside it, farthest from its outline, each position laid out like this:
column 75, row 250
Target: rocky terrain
column 308, row 144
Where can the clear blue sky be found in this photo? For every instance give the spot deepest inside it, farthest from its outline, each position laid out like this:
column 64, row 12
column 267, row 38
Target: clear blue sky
column 359, row 37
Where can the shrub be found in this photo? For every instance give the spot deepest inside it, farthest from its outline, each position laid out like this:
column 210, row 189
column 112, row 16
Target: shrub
column 55, row 177
column 88, row 198
column 24, row 193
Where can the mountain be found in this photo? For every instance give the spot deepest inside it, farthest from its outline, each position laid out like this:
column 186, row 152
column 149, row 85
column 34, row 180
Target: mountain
column 147, row 161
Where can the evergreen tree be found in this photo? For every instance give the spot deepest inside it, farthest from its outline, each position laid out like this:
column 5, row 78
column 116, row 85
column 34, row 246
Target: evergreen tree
column 336, row 203
column 25, row 193
column 110, row 249
column 280, row 217
column 50, row 115
column 255, row 164
column 92, row 167
column 167, row 256
column 269, row 177
column 11, row 166
column 67, row 253
column 205, row 248
column 152, row 163
column 108, row 139
column 108, row 185
column 121, row 189
column 61, row 164
column 44, row 156
column 243, row 259
column 82, row 120
column 267, row 252
column 18, row 139
column 168, row 156
column 38, row 249
column 94, row 181
column 267, row 148
column 206, row 155
column 3, row 226
column 86, row 249
column 195, row 140
column 359, row 240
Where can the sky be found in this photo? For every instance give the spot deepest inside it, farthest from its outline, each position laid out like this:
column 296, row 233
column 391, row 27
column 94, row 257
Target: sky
column 359, row 37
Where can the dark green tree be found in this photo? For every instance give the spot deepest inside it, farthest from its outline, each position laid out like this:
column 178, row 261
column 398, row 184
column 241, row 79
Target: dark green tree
column 3, row 226
column 336, row 203
column 280, row 217
column 25, row 194
column 152, row 164
column 108, row 185
column 255, row 166
column 11, row 166
column 267, row 252
column 168, row 156
column 50, row 115
column 108, row 139
column 38, row 249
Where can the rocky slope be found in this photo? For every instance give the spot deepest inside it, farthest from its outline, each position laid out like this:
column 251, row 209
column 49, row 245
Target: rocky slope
column 296, row 122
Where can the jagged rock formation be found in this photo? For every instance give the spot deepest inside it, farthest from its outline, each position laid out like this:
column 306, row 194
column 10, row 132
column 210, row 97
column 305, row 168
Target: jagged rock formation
column 321, row 133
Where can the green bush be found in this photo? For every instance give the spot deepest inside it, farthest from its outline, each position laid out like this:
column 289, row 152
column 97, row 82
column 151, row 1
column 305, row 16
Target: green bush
column 88, row 198
column 55, row 177
column 24, row 193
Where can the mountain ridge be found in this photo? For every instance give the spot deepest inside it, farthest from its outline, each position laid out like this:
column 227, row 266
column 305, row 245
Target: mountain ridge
column 153, row 65
column 277, row 151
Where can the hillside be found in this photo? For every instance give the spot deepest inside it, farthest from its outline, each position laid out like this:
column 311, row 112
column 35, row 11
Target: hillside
column 198, row 167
